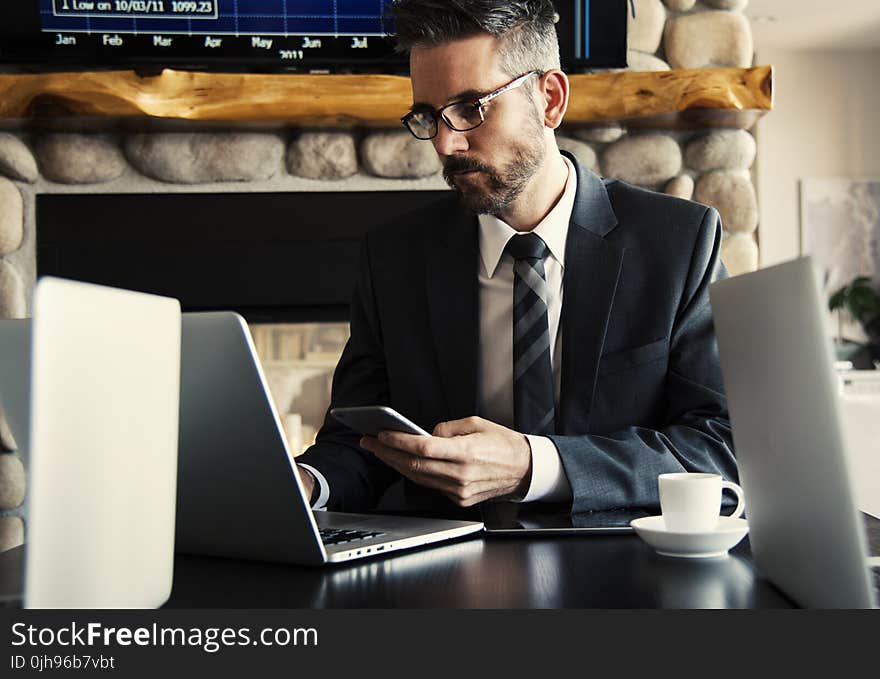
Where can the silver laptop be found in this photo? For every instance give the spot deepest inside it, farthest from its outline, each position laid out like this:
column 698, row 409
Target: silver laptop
column 806, row 533
column 239, row 494
column 102, row 445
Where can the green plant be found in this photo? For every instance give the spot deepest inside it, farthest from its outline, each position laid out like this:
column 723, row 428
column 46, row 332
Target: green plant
column 863, row 304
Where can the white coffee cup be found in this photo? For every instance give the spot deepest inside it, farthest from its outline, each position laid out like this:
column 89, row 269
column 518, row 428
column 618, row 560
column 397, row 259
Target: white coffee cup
column 691, row 503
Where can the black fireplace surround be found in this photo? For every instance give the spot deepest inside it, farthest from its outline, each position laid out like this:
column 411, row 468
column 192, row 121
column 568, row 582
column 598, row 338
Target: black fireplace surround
column 272, row 257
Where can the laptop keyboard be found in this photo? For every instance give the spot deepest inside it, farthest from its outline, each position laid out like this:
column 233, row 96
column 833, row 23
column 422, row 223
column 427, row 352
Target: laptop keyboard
column 339, row 536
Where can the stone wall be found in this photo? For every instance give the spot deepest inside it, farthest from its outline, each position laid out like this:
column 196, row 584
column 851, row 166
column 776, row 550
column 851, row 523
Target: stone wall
column 712, row 167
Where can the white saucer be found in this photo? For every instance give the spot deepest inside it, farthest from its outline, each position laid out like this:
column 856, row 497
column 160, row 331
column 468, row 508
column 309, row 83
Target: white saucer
column 727, row 534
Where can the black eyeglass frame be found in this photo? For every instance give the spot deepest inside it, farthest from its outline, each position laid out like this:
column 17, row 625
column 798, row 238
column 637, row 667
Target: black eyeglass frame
column 437, row 114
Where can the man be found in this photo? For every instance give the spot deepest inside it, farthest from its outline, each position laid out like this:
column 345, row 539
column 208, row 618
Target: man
column 550, row 328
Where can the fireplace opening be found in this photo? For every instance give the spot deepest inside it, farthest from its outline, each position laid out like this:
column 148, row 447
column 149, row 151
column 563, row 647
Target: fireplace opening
column 284, row 261
column 272, row 257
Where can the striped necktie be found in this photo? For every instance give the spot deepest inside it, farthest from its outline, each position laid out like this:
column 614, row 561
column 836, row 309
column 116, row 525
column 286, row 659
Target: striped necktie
column 533, row 407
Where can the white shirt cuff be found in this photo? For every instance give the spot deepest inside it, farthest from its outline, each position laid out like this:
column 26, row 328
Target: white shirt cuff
column 549, row 482
column 324, row 488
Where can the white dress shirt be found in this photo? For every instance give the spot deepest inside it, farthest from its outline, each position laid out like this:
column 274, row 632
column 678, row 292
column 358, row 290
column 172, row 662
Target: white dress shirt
column 495, row 384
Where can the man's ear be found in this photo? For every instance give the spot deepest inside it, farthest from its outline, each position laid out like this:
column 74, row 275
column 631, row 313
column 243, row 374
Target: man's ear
column 553, row 90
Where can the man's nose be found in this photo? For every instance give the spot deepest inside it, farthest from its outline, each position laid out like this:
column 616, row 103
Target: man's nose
column 448, row 141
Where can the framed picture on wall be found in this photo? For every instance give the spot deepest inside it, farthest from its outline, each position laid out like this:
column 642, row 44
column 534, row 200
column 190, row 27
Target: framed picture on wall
column 840, row 229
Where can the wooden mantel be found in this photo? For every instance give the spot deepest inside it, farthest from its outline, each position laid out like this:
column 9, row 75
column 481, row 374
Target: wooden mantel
column 715, row 97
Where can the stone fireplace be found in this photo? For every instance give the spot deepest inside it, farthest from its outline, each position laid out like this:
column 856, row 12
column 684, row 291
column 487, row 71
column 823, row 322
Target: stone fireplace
column 251, row 161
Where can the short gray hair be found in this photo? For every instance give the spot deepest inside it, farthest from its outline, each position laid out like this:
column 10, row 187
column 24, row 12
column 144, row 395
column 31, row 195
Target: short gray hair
column 526, row 29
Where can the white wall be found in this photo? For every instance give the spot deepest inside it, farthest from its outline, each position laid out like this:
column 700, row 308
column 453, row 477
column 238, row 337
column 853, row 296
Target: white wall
column 825, row 123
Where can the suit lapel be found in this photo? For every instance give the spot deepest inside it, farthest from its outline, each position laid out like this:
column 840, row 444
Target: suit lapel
column 453, row 300
column 592, row 269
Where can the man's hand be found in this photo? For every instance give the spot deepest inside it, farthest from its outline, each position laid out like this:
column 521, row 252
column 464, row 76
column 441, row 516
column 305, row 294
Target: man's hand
column 469, row 460
column 308, row 482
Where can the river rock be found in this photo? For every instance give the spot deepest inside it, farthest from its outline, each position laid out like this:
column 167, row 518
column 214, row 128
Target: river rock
column 206, row 157
column 680, row 5
column 7, row 440
column 709, row 39
column 645, row 31
column 79, row 158
column 11, row 481
column 645, row 160
column 733, row 195
column 736, row 5
column 739, row 252
column 16, row 160
column 723, row 150
column 11, row 532
column 639, row 61
column 398, row 155
column 322, row 155
column 580, row 150
column 12, row 300
column 11, row 217
column 681, row 186
column 599, row 135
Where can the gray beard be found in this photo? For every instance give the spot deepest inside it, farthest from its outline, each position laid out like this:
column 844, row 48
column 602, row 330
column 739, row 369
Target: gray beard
column 507, row 185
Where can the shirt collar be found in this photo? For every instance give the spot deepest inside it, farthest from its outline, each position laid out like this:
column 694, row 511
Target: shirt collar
column 553, row 229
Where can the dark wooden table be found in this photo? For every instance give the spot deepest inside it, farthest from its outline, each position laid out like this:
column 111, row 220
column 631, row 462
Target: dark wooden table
column 486, row 572
column 482, row 572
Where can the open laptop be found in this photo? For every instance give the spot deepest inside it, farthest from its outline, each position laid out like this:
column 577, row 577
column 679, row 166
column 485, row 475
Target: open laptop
column 101, row 447
column 805, row 532
column 239, row 494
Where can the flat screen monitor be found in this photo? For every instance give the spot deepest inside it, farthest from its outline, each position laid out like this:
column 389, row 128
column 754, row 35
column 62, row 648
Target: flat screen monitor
column 256, row 35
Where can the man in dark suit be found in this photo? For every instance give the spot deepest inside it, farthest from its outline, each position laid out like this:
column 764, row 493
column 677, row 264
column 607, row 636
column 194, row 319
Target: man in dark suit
column 552, row 329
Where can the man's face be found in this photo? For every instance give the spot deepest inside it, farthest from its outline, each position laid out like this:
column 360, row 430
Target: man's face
column 491, row 165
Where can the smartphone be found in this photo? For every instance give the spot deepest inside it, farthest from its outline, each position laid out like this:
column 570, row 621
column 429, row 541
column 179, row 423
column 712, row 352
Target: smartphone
column 370, row 420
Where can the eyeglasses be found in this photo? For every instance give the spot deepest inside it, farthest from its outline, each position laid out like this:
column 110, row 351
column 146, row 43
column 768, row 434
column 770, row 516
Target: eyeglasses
column 460, row 116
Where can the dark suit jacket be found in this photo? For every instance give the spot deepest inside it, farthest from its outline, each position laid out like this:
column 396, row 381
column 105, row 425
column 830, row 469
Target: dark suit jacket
column 641, row 390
